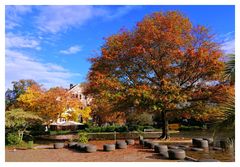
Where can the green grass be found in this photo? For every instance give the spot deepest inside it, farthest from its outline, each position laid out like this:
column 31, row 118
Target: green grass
column 22, row 145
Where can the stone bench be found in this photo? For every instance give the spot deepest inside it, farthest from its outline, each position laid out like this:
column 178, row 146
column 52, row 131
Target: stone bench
column 121, row 145
column 160, row 148
column 58, row 145
column 130, row 142
column 176, row 154
column 195, row 141
column 109, row 147
column 81, row 147
column 151, row 145
column 72, row 144
column 145, row 143
column 200, row 142
column 90, row 148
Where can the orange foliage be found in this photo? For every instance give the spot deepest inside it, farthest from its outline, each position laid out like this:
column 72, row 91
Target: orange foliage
column 165, row 61
column 48, row 104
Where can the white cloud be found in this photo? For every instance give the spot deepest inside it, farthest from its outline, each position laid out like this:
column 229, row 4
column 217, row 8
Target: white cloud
column 19, row 41
column 22, row 9
column 54, row 19
column 48, row 21
column 14, row 15
column 71, row 50
column 228, row 45
column 120, row 11
column 11, row 24
column 55, row 67
column 21, row 66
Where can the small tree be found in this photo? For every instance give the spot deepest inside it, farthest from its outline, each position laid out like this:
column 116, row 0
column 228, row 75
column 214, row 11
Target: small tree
column 19, row 88
column 18, row 120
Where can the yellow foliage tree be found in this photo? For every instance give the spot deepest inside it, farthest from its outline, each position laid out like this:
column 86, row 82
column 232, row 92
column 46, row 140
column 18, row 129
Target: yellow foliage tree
column 52, row 103
column 29, row 100
column 85, row 114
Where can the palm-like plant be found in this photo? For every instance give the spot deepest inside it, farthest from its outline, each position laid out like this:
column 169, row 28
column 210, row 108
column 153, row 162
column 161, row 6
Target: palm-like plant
column 229, row 72
column 228, row 108
column 228, row 118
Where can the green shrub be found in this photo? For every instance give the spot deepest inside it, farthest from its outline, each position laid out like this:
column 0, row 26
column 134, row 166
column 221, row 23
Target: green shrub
column 101, row 129
column 28, row 137
column 88, row 124
column 82, row 137
column 93, row 129
column 12, row 139
column 132, row 128
column 109, row 129
column 37, row 129
column 121, row 129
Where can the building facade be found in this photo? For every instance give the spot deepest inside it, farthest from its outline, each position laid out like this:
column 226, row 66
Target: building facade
column 77, row 92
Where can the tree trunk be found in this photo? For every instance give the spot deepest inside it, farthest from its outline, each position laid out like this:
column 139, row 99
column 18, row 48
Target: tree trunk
column 165, row 132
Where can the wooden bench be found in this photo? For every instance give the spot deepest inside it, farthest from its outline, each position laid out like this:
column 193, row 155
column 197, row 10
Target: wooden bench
column 174, row 126
column 148, row 130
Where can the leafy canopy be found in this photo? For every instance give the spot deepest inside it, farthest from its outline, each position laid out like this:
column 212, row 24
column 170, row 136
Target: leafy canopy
column 50, row 104
column 17, row 119
column 164, row 64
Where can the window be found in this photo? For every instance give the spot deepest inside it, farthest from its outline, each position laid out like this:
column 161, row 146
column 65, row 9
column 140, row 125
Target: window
column 80, row 119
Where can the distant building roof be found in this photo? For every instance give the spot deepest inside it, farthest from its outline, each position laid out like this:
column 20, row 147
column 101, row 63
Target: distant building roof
column 67, row 123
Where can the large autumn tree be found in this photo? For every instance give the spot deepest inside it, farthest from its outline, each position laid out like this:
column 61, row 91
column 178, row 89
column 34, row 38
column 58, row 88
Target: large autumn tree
column 164, row 65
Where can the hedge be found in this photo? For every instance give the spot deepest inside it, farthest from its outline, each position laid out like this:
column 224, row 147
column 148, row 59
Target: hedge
column 110, row 128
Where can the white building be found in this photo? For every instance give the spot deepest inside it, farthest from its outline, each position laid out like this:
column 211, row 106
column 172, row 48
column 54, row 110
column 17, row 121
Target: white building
column 77, row 92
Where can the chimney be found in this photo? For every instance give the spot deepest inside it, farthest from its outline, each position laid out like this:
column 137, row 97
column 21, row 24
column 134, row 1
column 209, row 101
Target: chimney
column 71, row 85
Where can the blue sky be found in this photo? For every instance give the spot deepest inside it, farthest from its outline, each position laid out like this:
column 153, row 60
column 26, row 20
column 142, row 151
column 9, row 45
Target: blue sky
column 51, row 44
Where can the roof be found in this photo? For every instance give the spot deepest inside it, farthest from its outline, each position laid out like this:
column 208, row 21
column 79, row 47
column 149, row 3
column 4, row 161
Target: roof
column 73, row 86
column 76, row 88
column 68, row 123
